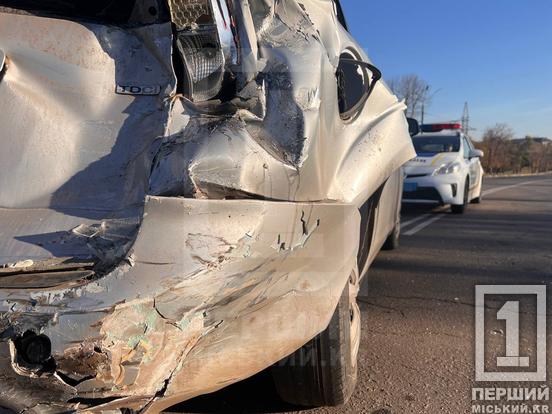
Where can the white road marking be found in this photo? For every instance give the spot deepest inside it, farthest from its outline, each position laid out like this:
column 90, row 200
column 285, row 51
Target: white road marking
column 423, row 216
column 424, row 224
column 432, row 218
column 415, row 220
column 506, row 187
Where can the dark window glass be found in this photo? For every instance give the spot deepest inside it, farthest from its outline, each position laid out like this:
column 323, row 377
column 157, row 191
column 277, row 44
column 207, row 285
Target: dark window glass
column 352, row 84
column 340, row 14
column 466, row 149
column 436, row 144
column 105, row 11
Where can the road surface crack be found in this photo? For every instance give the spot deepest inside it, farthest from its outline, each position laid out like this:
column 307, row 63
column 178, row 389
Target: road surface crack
column 389, row 308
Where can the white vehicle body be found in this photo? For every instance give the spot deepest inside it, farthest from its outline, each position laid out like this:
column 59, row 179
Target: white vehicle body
column 447, row 170
column 191, row 191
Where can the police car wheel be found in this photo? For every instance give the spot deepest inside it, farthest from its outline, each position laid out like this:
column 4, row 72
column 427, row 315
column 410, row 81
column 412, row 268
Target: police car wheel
column 477, row 200
column 461, row 208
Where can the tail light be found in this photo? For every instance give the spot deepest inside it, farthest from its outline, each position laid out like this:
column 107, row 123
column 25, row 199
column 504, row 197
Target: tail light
column 206, row 44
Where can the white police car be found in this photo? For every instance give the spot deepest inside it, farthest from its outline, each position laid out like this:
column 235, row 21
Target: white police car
column 447, row 169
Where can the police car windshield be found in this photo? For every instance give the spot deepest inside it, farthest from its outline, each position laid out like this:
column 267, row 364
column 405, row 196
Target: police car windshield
column 436, row 144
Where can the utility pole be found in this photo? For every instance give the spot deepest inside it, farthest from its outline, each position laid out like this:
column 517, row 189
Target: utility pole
column 426, row 99
column 423, row 103
column 466, row 119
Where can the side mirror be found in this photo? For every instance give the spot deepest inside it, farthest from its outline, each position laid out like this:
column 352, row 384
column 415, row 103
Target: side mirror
column 413, row 126
column 475, row 153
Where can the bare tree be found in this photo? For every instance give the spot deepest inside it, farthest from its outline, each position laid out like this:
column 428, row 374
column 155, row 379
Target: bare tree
column 497, row 145
column 504, row 154
column 540, row 156
column 415, row 92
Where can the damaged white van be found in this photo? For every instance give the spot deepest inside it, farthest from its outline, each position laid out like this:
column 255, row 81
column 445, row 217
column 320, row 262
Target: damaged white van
column 190, row 192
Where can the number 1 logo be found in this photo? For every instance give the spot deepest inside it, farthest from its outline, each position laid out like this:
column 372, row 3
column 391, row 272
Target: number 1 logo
column 509, row 312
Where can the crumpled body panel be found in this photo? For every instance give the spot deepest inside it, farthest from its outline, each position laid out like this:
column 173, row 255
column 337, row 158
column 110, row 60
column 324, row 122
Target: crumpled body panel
column 234, row 270
column 296, row 147
column 163, row 248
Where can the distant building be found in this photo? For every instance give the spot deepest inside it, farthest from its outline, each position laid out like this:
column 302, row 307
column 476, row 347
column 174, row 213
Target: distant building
column 538, row 140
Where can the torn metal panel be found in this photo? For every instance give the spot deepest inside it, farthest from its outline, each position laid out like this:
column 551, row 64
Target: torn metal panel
column 215, row 157
column 47, row 238
column 14, row 392
column 123, row 334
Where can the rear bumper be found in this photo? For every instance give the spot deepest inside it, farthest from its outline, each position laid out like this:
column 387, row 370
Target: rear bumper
column 211, row 293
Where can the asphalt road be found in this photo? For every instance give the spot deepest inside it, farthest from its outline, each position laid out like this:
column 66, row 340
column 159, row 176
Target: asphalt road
column 417, row 350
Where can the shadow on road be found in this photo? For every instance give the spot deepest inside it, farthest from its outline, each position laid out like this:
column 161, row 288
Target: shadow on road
column 411, row 209
column 253, row 395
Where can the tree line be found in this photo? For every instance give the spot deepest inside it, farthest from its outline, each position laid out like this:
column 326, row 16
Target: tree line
column 503, row 153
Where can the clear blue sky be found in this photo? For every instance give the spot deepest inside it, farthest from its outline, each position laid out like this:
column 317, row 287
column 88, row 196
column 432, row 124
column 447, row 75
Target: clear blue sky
column 495, row 54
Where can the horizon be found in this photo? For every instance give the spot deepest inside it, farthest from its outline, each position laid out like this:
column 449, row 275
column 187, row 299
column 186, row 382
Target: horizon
column 491, row 55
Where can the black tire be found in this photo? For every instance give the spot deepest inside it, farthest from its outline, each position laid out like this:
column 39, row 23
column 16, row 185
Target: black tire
column 461, row 208
column 324, row 371
column 477, row 200
column 393, row 240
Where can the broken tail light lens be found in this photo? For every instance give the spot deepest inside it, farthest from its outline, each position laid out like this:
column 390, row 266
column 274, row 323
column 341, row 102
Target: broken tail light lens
column 206, row 44
column 204, row 62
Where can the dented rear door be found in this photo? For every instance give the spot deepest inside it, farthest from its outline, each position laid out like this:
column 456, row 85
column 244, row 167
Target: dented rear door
column 84, row 94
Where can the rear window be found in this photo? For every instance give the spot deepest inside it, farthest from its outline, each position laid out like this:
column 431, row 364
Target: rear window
column 436, row 144
column 105, row 11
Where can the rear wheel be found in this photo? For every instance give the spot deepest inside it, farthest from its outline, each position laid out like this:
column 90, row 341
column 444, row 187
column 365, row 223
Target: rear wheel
column 461, row 208
column 324, row 371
